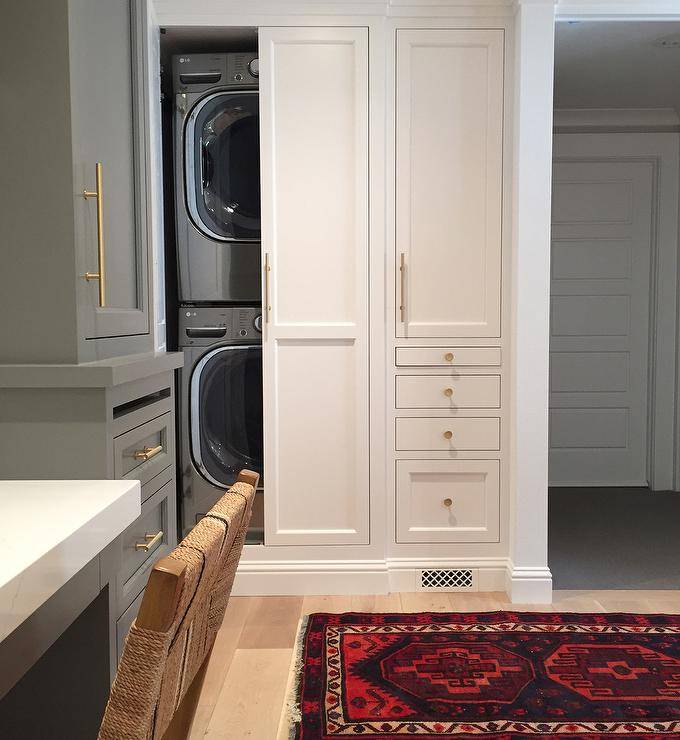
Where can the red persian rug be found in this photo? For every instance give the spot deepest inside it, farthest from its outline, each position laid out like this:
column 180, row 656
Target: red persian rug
column 495, row 674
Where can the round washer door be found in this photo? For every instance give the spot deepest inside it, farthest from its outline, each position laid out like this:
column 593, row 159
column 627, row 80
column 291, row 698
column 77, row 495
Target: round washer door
column 226, row 413
column 222, row 166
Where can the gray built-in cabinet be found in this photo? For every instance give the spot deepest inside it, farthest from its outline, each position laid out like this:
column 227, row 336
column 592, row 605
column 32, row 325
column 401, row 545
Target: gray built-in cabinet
column 72, row 288
column 83, row 394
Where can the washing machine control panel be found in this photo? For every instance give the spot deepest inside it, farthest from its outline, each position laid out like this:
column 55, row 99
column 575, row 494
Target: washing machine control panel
column 203, row 326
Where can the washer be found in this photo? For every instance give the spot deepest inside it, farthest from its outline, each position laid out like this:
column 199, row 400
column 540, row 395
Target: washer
column 220, row 409
column 217, row 177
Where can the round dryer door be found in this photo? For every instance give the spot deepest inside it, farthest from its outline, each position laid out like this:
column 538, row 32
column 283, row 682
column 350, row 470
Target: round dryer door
column 222, row 166
column 226, row 413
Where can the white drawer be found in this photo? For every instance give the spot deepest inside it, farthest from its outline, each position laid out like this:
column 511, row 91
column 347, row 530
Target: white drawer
column 445, row 433
column 446, row 356
column 446, row 392
column 448, row 500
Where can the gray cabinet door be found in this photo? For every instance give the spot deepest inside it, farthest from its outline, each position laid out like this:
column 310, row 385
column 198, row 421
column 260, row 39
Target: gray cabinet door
column 107, row 101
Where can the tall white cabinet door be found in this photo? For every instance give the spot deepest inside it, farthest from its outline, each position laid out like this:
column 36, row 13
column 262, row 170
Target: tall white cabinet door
column 314, row 165
column 449, row 136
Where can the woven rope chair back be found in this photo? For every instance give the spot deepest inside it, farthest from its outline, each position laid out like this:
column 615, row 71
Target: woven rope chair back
column 181, row 612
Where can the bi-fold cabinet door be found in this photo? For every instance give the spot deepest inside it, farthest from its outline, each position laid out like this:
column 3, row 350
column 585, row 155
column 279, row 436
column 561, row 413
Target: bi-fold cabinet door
column 449, row 177
column 314, row 165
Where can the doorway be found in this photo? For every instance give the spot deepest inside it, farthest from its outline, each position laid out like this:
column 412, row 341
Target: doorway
column 613, row 315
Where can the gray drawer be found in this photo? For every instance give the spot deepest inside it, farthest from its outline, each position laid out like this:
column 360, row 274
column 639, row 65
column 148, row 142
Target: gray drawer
column 146, row 450
column 158, row 515
column 125, row 622
column 157, row 482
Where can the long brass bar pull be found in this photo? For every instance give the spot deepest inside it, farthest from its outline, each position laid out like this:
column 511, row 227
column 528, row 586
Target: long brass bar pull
column 101, row 274
column 402, row 285
column 267, row 270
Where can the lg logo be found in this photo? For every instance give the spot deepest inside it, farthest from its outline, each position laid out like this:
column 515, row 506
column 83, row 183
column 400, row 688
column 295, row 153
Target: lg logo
column 184, row 59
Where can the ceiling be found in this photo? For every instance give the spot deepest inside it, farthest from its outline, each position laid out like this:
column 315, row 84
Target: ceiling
column 617, row 64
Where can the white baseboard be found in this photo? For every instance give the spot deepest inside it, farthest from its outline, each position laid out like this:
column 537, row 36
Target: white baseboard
column 336, row 577
column 529, row 585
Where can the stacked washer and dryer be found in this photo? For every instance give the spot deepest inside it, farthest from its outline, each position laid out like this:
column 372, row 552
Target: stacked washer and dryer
column 217, row 194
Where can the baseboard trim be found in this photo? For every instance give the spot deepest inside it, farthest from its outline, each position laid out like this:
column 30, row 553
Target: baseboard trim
column 343, row 577
column 529, row 585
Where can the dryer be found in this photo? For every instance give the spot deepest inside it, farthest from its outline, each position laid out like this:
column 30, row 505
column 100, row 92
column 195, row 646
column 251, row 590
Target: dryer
column 217, row 177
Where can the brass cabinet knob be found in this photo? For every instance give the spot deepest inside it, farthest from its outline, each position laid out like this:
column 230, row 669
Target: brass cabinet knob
column 448, row 434
column 448, row 502
column 449, row 356
column 448, row 392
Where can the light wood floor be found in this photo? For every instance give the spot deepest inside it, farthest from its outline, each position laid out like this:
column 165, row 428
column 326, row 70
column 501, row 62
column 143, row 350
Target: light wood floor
column 246, row 679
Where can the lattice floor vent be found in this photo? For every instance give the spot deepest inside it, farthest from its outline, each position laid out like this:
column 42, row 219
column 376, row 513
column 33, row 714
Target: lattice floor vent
column 448, row 579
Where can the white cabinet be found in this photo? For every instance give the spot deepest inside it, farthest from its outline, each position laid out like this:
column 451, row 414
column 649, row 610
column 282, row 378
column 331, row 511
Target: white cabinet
column 449, row 151
column 448, row 500
column 314, row 153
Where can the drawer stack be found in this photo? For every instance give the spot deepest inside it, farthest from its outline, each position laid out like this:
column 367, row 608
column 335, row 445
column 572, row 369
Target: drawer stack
column 144, row 450
column 448, row 443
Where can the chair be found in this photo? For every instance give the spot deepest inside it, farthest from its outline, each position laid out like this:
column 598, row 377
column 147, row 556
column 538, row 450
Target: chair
column 159, row 677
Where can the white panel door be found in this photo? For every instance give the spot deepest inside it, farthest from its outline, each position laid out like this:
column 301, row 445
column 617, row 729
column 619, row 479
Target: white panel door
column 449, row 151
column 314, row 152
column 601, row 241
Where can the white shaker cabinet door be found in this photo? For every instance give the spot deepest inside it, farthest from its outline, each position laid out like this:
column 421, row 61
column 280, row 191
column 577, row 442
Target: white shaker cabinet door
column 314, row 165
column 449, row 137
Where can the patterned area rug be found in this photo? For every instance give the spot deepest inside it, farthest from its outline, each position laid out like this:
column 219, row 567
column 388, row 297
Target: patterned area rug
column 495, row 674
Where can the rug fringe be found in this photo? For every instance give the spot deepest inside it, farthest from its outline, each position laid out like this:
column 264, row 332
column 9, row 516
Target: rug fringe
column 291, row 715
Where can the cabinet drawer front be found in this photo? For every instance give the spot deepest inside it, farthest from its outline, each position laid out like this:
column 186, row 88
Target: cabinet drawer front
column 447, row 356
column 448, row 500
column 125, row 622
column 153, row 519
column 445, row 433
column 446, row 392
column 144, row 451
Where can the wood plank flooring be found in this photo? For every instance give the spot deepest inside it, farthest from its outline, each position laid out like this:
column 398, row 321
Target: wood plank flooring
column 246, row 679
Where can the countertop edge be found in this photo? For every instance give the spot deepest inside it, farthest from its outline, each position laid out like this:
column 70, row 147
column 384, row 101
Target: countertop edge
column 100, row 374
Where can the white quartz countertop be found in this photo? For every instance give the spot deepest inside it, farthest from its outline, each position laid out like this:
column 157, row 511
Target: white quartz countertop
column 49, row 530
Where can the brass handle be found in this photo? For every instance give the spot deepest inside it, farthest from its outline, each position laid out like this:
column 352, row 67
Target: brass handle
column 101, row 275
column 402, row 279
column 448, row 434
column 267, row 270
column 448, row 502
column 151, row 540
column 147, row 453
column 448, row 392
column 449, row 356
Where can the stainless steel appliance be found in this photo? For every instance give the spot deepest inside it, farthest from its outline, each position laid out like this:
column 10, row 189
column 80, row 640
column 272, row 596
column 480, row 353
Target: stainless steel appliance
column 217, row 177
column 220, row 406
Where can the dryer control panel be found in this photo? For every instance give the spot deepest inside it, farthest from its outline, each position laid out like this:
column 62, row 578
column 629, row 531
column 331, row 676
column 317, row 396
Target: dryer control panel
column 203, row 326
column 201, row 72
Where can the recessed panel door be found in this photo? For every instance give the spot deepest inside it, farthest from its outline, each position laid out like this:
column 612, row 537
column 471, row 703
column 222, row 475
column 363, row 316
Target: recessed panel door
column 599, row 322
column 107, row 104
column 449, row 176
column 314, row 133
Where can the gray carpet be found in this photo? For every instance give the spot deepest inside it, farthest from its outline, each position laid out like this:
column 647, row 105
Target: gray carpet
column 614, row 538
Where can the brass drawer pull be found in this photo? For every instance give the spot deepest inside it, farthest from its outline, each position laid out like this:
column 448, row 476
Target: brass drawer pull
column 448, row 502
column 448, row 434
column 151, row 541
column 449, row 356
column 147, row 453
column 100, row 275
column 448, row 392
